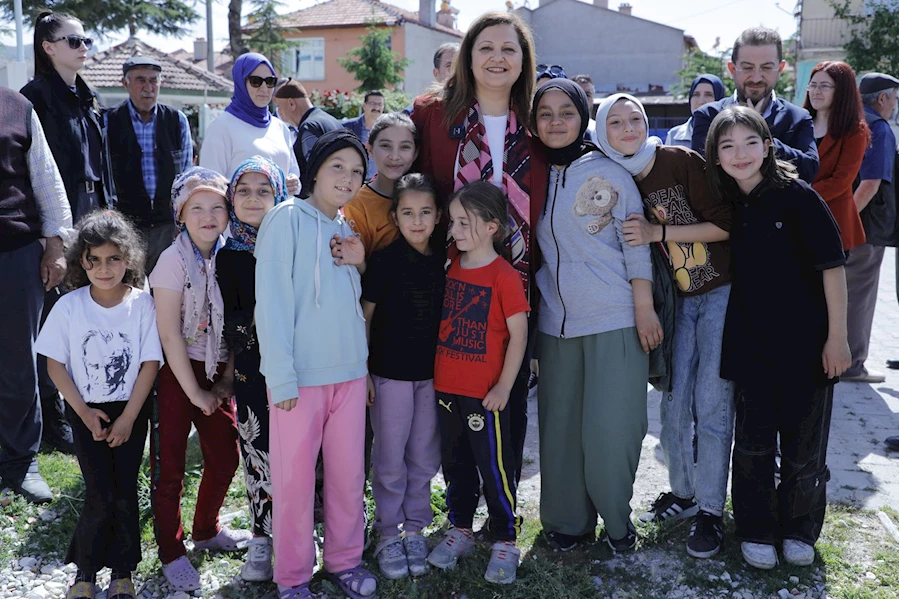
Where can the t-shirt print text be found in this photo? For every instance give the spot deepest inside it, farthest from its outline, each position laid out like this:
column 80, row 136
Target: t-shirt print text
column 463, row 328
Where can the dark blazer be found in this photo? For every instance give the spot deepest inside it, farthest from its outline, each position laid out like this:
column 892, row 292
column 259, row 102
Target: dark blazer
column 60, row 112
column 791, row 126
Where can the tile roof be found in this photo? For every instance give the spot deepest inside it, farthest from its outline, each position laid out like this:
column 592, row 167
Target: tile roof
column 223, row 61
column 104, row 69
column 355, row 13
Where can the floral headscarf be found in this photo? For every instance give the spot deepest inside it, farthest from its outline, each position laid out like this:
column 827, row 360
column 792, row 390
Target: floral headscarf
column 243, row 236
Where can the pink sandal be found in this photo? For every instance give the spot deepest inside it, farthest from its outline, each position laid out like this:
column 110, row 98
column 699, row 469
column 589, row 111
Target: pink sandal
column 182, row 575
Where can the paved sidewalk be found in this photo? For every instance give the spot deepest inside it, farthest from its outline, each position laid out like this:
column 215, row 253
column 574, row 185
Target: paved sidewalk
column 863, row 472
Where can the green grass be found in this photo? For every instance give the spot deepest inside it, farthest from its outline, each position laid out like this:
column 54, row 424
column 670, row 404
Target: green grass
column 852, row 545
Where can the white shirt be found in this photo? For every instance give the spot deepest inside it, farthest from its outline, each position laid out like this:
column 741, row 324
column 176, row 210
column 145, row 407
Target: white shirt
column 229, row 141
column 495, row 126
column 102, row 348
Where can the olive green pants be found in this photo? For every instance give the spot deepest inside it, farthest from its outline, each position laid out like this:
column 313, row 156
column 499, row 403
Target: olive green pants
column 592, row 417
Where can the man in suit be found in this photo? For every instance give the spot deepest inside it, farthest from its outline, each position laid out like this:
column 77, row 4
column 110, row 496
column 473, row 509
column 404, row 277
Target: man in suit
column 756, row 64
column 372, row 108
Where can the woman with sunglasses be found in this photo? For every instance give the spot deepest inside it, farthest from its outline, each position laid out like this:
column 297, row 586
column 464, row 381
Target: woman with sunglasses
column 475, row 128
column 68, row 108
column 247, row 128
column 69, row 114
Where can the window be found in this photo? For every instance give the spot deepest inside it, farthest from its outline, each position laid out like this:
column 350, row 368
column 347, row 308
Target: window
column 305, row 60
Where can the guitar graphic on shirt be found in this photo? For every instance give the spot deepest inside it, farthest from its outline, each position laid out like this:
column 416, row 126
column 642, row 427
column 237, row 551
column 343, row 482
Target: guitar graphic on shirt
column 447, row 328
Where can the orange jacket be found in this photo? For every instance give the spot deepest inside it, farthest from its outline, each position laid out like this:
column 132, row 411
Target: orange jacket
column 840, row 161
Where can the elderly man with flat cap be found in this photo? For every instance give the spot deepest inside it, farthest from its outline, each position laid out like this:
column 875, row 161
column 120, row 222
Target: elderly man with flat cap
column 148, row 144
column 875, row 197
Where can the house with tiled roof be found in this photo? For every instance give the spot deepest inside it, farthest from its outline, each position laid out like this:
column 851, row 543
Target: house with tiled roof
column 182, row 82
column 321, row 34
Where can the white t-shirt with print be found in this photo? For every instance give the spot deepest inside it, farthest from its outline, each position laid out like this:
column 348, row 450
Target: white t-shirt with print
column 102, row 348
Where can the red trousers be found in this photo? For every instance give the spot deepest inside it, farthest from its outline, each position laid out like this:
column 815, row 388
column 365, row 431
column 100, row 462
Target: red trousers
column 172, row 417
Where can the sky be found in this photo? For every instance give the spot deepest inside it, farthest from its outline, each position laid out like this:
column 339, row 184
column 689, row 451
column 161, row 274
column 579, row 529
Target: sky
column 705, row 20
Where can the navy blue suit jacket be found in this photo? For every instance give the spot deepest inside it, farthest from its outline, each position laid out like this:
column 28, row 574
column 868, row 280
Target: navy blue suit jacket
column 791, row 126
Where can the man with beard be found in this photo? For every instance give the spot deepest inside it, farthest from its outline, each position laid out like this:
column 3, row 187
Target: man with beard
column 756, row 63
column 148, row 144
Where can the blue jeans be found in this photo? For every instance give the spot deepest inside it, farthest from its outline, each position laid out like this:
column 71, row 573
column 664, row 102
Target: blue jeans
column 697, row 389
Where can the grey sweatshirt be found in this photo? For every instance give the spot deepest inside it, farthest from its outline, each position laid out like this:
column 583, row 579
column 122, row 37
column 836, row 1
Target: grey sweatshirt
column 584, row 281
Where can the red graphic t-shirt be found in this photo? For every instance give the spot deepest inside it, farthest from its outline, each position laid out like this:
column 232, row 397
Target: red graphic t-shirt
column 473, row 336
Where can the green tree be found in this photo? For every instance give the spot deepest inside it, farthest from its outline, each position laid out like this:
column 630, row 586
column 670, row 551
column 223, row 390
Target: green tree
column 373, row 64
column 235, row 28
column 265, row 35
column 161, row 17
column 697, row 62
column 874, row 36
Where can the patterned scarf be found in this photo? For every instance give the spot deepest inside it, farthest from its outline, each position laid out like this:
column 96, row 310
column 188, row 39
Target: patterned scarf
column 476, row 163
column 243, row 236
column 202, row 288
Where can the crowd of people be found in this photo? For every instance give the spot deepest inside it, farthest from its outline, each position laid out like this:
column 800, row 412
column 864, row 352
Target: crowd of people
column 331, row 301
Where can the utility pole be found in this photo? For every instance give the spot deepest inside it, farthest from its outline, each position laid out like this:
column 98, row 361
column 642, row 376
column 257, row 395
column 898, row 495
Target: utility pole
column 210, row 48
column 20, row 45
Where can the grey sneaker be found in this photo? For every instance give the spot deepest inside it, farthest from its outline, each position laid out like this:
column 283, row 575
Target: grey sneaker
column 503, row 564
column 798, row 553
column 258, row 567
column 416, row 554
column 392, row 558
column 759, row 555
column 453, row 546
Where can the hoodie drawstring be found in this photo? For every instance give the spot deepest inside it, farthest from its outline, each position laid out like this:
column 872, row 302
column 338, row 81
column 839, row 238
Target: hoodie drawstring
column 317, row 276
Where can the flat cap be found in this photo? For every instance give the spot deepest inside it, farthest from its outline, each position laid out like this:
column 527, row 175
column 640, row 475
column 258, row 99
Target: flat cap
column 876, row 82
column 139, row 61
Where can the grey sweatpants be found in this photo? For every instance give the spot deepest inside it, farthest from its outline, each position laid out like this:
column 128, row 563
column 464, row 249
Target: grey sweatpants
column 592, row 415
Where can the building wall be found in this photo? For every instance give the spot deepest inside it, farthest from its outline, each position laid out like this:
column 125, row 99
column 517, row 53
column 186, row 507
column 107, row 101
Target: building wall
column 421, row 43
column 338, row 42
column 613, row 48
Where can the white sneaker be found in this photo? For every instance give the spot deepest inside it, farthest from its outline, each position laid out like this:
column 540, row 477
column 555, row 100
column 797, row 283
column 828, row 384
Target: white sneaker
column 798, row 553
column 258, row 567
column 759, row 555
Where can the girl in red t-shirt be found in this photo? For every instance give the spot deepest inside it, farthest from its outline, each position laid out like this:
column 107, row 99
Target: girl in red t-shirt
column 480, row 346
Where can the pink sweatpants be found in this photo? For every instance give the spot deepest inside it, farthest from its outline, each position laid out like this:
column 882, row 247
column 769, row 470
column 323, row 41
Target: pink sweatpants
column 330, row 418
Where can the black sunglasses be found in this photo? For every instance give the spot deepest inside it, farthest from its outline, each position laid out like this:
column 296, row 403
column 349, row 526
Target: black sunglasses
column 256, row 81
column 555, row 71
column 75, row 41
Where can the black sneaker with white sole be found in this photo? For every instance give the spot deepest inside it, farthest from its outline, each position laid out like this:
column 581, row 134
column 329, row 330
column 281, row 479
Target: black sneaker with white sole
column 706, row 535
column 626, row 543
column 669, row 506
column 562, row 542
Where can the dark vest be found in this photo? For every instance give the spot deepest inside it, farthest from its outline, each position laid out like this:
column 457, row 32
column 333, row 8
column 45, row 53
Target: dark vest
column 880, row 217
column 20, row 222
column 128, row 175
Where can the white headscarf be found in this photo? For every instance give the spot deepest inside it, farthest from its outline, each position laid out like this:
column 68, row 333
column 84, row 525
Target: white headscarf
column 637, row 162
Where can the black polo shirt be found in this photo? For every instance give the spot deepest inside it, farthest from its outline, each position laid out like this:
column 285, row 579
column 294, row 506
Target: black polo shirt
column 407, row 288
column 776, row 324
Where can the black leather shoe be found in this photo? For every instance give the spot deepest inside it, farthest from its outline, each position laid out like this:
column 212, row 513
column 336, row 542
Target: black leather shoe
column 892, row 443
column 58, row 435
column 893, row 364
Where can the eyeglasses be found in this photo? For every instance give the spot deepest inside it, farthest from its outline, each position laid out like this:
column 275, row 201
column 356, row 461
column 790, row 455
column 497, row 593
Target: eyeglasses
column 824, row 87
column 765, row 69
column 75, row 41
column 256, row 81
column 553, row 71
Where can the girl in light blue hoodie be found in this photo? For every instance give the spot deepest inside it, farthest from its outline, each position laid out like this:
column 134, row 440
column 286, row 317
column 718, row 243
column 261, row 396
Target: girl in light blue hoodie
column 314, row 352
